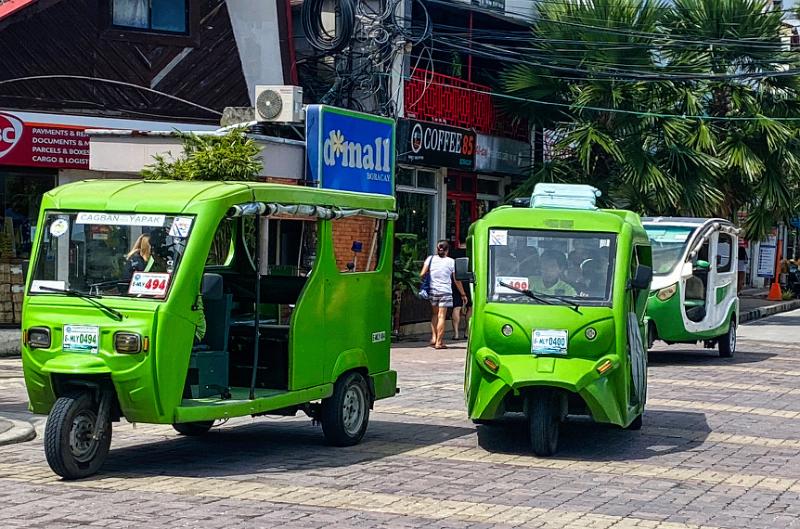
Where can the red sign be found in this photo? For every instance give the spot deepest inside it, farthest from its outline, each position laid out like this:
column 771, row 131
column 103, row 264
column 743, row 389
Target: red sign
column 42, row 145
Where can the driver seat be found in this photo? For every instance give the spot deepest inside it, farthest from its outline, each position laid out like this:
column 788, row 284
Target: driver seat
column 208, row 366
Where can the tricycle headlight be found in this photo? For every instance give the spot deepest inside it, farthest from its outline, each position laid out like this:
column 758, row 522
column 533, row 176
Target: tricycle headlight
column 127, row 342
column 667, row 292
column 39, row 338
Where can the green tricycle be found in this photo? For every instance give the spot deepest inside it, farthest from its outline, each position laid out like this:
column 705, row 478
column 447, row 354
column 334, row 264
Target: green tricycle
column 185, row 303
column 559, row 290
column 694, row 295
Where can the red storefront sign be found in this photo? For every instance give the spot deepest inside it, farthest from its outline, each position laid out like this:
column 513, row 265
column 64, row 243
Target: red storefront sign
column 42, row 145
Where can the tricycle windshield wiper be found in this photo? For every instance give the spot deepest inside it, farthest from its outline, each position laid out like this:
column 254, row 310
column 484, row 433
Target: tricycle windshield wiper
column 524, row 291
column 571, row 304
column 91, row 298
column 539, row 296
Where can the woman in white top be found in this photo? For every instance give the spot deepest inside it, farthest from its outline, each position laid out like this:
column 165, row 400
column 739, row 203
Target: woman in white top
column 442, row 269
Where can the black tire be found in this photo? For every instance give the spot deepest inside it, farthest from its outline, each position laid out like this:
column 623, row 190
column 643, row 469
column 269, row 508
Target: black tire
column 68, row 445
column 345, row 414
column 727, row 342
column 193, row 429
column 652, row 334
column 544, row 421
column 636, row 424
column 483, row 422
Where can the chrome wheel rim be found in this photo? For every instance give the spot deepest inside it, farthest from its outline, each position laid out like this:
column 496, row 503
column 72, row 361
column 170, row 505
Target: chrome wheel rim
column 732, row 337
column 81, row 444
column 353, row 409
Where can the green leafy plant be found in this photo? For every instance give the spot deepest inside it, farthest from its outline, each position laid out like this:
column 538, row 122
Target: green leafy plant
column 405, row 273
column 230, row 156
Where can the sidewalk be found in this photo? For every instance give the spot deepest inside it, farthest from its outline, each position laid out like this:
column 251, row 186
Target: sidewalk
column 753, row 305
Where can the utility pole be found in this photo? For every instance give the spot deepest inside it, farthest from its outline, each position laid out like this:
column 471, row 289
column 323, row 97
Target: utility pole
column 400, row 62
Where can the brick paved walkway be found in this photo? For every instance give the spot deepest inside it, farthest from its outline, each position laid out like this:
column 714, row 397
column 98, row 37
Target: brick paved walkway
column 720, row 448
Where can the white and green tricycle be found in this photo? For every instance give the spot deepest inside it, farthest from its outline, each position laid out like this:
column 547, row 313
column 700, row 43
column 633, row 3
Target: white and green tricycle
column 693, row 296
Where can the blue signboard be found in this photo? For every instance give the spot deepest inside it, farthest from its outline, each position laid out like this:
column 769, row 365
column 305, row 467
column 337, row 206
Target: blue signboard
column 350, row 151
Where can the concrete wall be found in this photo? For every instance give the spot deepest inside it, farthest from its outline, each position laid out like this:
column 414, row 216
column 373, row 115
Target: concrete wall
column 119, row 153
column 255, row 27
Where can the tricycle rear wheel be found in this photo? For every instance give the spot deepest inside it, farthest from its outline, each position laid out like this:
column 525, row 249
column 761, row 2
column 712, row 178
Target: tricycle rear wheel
column 69, row 444
column 544, row 420
column 193, row 429
column 727, row 342
column 345, row 414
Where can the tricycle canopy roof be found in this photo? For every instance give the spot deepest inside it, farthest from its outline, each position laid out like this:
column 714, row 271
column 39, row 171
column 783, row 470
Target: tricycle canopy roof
column 172, row 196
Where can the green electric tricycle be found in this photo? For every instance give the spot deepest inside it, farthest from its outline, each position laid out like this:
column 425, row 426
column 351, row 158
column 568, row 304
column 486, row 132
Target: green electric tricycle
column 560, row 289
column 694, row 295
column 185, row 303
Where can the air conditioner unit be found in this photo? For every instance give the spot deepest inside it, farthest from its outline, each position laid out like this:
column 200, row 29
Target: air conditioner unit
column 281, row 104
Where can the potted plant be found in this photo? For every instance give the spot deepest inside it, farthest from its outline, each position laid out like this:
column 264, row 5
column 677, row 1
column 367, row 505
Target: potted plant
column 405, row 274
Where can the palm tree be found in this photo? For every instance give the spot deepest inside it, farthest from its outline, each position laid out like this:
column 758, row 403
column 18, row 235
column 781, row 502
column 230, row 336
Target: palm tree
column 647, row 99
column 760, row 160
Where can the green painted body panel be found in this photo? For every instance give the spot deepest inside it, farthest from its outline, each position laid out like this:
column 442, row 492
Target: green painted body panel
column 606, row 396
column 666, row 315
column 331, row 329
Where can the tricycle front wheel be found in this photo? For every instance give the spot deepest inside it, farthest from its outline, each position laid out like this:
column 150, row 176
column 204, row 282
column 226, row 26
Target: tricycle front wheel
column 71, row 448
column 544, row 420
column 193, row 429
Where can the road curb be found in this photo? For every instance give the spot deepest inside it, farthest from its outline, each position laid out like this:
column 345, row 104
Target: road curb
column 763, row 312
column 20, row 432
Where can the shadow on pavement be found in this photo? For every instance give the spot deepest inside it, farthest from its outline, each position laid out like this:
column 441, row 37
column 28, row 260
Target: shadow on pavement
column 268, row 447
column 698, row 356
column 664, row 432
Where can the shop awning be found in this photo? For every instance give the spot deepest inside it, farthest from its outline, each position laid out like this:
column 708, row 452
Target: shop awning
column 9, row 7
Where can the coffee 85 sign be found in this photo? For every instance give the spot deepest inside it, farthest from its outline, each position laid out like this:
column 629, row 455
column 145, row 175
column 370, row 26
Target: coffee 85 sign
column 435, row 144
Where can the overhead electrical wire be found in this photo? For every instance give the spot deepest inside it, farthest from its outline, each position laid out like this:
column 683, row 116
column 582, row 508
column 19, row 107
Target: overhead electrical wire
column 110, row 81
column 640, row 113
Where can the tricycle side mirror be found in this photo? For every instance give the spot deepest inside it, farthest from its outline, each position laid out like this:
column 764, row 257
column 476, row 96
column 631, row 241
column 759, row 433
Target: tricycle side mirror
column 211, row 287
column 462, row 270
column 641, row 278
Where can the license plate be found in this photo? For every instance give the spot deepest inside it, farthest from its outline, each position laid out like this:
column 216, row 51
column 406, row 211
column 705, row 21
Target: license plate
column 81, row 339
column 549, row 341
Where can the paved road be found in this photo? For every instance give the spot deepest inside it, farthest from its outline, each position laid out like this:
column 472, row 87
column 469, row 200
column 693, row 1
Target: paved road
column 720, row 449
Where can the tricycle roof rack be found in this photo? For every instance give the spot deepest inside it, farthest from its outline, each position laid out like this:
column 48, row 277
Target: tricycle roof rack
column 566, row 196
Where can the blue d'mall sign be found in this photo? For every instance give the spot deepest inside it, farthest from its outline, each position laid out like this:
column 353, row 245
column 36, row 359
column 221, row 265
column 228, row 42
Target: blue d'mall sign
column 350, row 151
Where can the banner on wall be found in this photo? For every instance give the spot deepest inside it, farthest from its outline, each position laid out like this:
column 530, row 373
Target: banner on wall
column 29, row 144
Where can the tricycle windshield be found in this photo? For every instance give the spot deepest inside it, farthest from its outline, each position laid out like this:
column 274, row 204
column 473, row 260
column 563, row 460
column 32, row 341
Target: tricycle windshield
column 570, row 265
column 668, row 243
column 114, row 254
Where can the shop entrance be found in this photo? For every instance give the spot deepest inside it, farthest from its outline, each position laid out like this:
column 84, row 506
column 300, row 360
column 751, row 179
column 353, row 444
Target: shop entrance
column 462, row 208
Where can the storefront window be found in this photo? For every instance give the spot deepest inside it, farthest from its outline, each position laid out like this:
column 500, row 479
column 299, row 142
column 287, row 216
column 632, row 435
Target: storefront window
column 488, row 187
column 416, row 215
column 405, row 176
column 426, row 179
column 20, row 197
